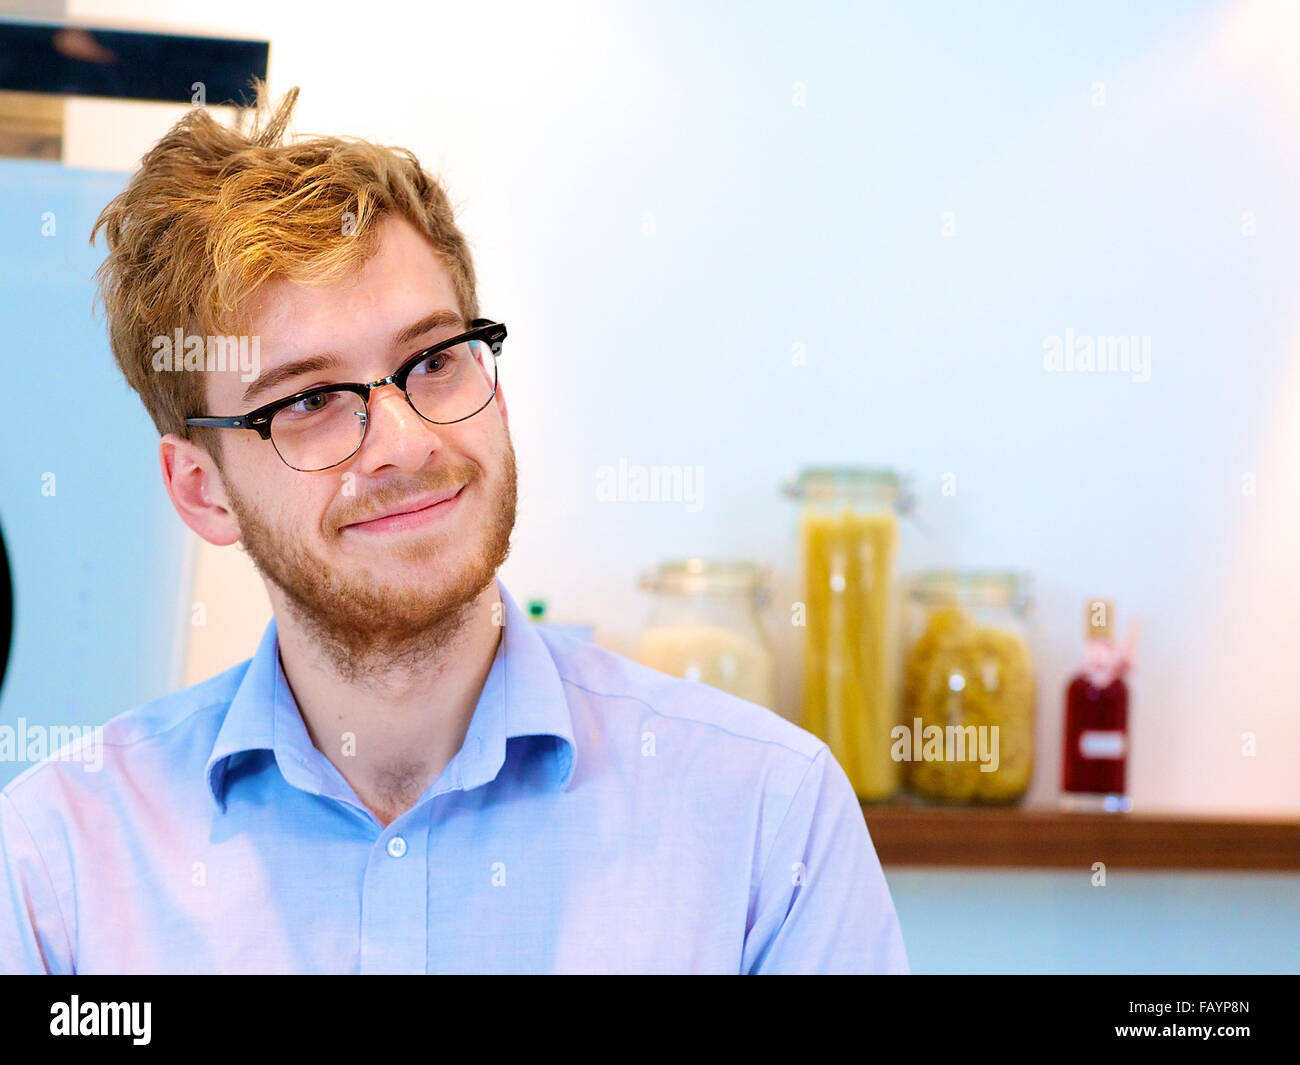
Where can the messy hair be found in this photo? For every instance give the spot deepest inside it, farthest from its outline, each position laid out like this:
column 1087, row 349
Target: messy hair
column 215, row 213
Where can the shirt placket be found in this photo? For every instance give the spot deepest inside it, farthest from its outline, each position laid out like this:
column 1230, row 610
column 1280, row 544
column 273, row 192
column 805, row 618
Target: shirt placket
column 395, row 897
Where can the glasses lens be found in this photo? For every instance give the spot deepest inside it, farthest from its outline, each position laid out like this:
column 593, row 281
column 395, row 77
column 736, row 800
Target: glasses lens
column 454, row 383
column 319, row 431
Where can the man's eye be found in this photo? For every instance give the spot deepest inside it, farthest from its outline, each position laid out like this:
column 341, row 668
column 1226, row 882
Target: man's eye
column 434, row 364
column 310, row 404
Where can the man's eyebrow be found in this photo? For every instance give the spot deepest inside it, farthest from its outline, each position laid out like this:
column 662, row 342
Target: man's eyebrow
column 319, row 363
column 268, row 380
column 430, row 322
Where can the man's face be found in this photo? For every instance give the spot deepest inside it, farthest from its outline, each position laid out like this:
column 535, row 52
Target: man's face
column 371, row 597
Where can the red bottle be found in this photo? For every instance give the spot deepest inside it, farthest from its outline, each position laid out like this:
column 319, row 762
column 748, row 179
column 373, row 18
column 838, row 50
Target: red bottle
column 1095, row 750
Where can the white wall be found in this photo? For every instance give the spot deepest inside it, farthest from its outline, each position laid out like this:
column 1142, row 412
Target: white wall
column 666, row 198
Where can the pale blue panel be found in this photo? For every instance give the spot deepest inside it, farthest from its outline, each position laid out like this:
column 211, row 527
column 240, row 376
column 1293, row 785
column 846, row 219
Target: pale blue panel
column 97, row 565
column 1057, row 922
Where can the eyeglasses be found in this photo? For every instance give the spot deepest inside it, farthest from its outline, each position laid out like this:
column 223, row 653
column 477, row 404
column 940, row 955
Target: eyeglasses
column 324, row 426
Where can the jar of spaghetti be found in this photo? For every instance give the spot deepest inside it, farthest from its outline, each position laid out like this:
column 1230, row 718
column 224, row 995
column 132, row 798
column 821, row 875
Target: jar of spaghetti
column 848, row 540
column 969, row 690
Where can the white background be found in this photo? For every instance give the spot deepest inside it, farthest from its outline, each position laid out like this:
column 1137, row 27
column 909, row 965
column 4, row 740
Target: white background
column 666, row 198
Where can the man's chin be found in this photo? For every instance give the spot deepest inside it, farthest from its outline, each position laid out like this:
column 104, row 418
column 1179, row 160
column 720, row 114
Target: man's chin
column 396, row 601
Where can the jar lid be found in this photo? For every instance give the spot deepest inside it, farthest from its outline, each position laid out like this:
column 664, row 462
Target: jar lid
column 701, row 576
column 985, row 587
column 826, row 484
column 827, row 479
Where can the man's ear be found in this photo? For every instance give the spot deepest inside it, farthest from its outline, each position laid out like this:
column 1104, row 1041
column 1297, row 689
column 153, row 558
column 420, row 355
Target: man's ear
column 197, row 490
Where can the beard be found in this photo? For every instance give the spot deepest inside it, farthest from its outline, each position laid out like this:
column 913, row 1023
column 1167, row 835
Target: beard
column 360, row 623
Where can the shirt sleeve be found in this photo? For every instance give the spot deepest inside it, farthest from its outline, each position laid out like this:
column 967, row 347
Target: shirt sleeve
column 33, row 936
column 823, row 905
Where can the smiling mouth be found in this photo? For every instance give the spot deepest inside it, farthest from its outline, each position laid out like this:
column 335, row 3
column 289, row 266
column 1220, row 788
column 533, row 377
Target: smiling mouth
column 409, row 519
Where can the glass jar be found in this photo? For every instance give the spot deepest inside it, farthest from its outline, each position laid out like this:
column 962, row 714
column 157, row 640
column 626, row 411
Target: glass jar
column 848, row 538
column 705, row 625
column 969, row 687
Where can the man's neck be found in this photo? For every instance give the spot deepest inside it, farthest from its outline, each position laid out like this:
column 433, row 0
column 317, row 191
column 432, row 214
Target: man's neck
column 390, row 739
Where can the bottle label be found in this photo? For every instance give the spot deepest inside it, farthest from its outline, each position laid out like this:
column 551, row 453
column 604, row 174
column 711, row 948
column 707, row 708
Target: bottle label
column 1095, row 743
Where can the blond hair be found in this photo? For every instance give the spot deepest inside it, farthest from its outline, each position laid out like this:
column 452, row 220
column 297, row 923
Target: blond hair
column 213, row 214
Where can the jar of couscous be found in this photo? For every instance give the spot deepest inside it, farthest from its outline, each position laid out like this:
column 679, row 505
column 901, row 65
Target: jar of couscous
column 705, row 625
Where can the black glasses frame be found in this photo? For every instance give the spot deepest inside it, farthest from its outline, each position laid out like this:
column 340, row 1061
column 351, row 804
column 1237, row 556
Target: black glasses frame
column 259, row 420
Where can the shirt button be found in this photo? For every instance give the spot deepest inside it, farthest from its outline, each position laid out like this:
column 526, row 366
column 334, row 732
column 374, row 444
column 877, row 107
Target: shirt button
column 397, row 846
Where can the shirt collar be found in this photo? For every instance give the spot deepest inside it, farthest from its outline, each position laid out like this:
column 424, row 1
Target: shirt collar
column 522, row 696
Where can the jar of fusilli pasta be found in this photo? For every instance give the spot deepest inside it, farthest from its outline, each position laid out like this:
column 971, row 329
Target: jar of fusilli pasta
column 969, row 690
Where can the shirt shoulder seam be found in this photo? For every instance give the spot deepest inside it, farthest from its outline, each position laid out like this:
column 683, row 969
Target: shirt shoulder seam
column 789, row 808
column 709, row 724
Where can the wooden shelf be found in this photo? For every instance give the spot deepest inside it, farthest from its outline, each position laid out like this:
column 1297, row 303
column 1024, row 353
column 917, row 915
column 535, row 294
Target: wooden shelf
column 906, row 833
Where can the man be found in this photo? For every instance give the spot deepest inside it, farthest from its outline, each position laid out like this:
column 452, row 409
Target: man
column 408, row 776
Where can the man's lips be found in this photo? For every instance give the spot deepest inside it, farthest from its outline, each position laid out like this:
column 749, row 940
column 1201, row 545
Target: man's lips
column 410, row 512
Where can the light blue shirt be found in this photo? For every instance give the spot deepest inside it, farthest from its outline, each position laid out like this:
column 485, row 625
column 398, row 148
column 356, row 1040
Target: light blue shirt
column 600, row 817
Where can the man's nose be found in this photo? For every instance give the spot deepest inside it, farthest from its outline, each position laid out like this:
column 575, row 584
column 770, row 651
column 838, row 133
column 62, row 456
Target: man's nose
column 396, row 435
